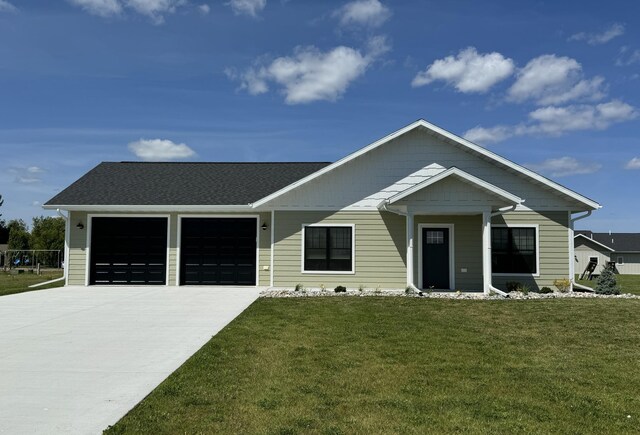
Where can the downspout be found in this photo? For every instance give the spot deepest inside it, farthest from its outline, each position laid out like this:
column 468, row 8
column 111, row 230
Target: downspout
column 500, row 211
column 410, row 284
column 65, row 270
column 572, row 264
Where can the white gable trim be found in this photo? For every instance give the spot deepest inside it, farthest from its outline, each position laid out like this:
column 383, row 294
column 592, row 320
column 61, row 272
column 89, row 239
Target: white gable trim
column 593, row 241
column 457, row 139
column 458, row 173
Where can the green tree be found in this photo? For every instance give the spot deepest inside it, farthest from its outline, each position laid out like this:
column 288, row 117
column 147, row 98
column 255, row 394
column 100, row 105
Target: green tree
column 1, row 202
column 18, row 235
column 47, row 233
column 607, row 284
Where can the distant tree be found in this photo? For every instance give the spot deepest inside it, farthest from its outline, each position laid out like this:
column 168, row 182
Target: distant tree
column 47, row 233
column 1, row 202
column 18, row 235
column 4, row 232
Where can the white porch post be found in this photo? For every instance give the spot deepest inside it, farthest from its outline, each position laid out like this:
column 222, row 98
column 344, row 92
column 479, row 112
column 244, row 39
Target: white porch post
column 409, row 248
column 486, row 251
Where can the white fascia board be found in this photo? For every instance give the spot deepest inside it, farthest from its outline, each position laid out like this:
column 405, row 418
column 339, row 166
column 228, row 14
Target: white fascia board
column 593, row 241
column 152, row 208
column 457, row 139
column 459, row 173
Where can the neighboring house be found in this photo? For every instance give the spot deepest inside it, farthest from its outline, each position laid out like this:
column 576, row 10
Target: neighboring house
column 621, row 248
column 420, row 207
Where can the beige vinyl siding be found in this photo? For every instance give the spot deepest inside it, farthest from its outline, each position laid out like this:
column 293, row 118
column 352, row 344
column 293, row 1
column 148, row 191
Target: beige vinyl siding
column 264, row 250
column 77, row 261
column 78, row 245
column 351, row 183
column 584, row 250
column 553, row 242
column 467, row 236
column 380, row 250
column 631, row 265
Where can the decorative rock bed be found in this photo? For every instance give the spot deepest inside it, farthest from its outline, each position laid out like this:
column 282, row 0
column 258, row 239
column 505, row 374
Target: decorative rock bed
column 311, row 293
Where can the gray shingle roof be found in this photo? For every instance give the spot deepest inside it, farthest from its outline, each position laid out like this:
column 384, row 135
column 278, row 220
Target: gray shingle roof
column 619, row 242
column 151, row 183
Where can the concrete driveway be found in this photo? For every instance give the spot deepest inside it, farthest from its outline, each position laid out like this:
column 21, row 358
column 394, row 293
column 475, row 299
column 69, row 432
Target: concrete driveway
column 74, row 360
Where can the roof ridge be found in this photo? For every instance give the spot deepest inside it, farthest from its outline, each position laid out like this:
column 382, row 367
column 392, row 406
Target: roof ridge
column 220, row 163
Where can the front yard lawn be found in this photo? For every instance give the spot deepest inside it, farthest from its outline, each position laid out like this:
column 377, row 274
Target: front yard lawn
column 10, row 284
column 402, row 365
column 627, row 283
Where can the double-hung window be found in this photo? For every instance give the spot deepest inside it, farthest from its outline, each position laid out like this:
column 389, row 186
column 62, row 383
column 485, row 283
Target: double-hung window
column 328, row 248
column 514, row 250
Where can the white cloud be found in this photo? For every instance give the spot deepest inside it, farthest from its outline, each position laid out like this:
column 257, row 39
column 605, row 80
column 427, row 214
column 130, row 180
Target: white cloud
column 634, row 163
column 154, row 9
column 35, row 170
column 5, row 6
column 613, row 31
column 549, row 79
column 160, row 149
column 247, row 7
column 310, row 74
column 468, row 71
column 483, row 136
column 27, row 175
column 102, row 8
column 204, row 9
column 627, row 57
column 564, row 166
column 555, row 121
column 363, row 12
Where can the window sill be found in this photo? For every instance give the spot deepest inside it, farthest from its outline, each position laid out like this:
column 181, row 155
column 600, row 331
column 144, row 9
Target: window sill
column 329, row 272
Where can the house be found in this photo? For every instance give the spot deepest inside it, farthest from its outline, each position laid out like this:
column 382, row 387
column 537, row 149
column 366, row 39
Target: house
column 623, row 249
column 420, row 207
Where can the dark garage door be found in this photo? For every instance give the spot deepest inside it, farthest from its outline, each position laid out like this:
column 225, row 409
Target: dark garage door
column 218, row 251
column 128, row 250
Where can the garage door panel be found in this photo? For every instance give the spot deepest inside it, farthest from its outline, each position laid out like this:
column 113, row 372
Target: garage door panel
column 128, row 250
column 218, row 251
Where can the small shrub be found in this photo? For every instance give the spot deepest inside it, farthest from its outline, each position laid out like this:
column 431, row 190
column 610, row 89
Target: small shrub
column 524, row 289
column 546, row 290
column 512, row 286
column 361, row 288
column 323, row 287
column 408, row 290
column 299, row 287
column 563, row 285
column 607, row 284
column 340, row 289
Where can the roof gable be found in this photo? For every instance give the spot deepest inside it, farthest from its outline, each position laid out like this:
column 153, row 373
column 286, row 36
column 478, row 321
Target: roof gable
column 586, row 203
column 618, row 242
column 458, row 174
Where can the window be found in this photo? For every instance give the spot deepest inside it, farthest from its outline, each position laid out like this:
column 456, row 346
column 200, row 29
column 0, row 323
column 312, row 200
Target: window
column 620, row 259
column 593, row 260
column 513, row 250
column 328, row 248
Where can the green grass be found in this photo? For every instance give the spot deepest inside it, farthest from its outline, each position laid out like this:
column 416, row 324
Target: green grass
column 627, row 283
column 10, row 284
column 401, row 365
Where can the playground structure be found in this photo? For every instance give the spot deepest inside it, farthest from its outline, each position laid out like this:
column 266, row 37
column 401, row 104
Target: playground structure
column 590, row 270
column 31, row 259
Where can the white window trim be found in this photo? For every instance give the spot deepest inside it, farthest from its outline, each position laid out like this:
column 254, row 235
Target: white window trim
column 208, row 216
column 537, row 228
column 452, row 252
column 620, row 259
column 330, row 272
column 90, row 217
column 597, row 260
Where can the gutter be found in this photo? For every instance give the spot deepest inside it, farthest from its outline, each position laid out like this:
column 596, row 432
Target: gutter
column 501, row 211
column 572, row 278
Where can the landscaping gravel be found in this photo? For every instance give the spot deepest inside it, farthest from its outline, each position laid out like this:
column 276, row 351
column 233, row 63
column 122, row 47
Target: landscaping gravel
column 310, row 293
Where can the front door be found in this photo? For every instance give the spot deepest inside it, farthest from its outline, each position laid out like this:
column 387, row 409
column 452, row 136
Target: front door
column 435, row 258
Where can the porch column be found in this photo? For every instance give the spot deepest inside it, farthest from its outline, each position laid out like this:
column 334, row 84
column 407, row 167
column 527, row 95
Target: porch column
column 572, row 253
column 409, row 248
column 486, row 251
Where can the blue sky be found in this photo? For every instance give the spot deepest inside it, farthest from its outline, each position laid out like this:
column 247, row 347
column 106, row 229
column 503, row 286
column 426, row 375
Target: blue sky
column 551, row 85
